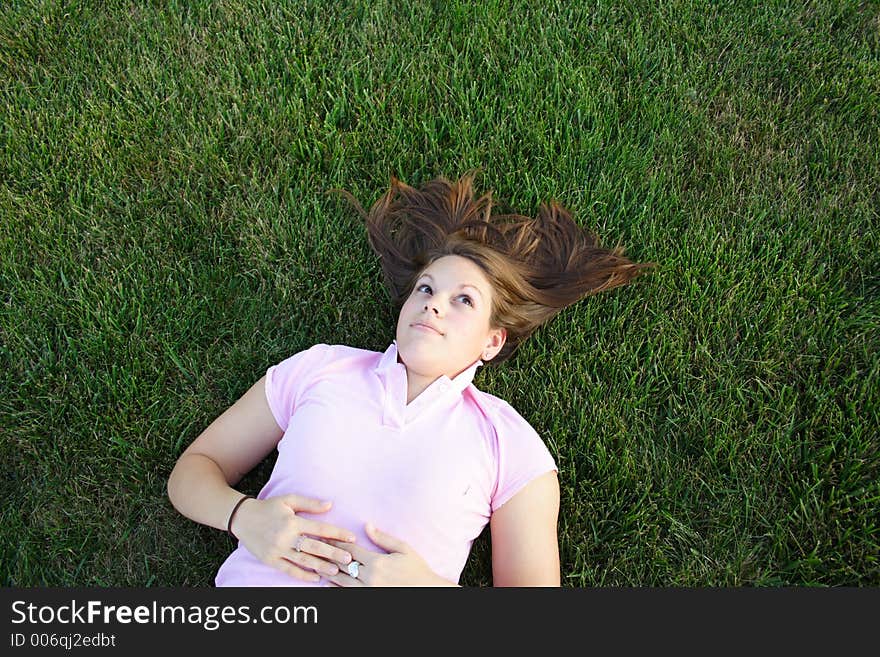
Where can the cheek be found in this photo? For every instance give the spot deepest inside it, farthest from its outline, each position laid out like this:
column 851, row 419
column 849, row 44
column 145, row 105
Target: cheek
column 410, row 306
column 470, row 327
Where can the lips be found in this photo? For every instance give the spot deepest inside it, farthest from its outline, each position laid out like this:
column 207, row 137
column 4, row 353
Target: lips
column 423, row 325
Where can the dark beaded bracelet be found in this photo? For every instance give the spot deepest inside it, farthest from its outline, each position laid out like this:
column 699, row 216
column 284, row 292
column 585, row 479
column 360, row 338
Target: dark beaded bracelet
column 232, row 515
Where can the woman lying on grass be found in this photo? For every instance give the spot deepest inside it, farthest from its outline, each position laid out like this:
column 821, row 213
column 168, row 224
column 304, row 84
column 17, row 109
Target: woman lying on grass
column 391, row 464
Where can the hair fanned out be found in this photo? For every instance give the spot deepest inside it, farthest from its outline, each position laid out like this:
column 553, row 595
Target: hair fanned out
column 537, row 266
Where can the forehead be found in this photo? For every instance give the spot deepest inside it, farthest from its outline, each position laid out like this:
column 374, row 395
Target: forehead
column 459, row 267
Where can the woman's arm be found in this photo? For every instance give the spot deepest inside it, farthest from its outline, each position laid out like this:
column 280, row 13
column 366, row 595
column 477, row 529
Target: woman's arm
column 525, row 546
column 200, row 486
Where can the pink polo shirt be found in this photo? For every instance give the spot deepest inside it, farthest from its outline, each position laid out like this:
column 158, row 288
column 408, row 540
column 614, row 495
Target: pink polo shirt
column 430, row 472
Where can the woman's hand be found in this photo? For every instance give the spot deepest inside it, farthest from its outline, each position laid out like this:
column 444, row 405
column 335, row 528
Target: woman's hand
column 401, row 567
column 274, row 534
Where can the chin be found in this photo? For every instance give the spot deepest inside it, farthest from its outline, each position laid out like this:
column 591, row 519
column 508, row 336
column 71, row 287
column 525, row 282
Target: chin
column 422, row 359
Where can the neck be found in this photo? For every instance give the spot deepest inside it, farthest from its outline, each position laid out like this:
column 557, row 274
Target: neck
column 416, row 384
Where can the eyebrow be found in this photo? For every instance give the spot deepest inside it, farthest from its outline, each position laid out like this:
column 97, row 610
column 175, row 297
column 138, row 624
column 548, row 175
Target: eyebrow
column 460, row 286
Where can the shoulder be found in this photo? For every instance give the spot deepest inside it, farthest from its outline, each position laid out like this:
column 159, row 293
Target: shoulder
column 498, row 412
column 322, row 356
column 297, row 372
column 291, row 379
column 508, row 431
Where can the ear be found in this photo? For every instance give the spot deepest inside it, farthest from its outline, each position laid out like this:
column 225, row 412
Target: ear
column 497, row 338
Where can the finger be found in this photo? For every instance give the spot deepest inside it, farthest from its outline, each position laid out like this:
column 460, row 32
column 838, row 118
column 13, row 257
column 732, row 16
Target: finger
column 356, row 551
column 326, row 530
column 325, row 550
column 385, row 541
column 293, row 570
column 308, row 504
column 314, row 563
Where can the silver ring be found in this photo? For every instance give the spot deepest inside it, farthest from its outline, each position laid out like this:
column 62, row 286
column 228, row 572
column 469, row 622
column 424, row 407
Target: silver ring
column 298, row 545
column 354, row 568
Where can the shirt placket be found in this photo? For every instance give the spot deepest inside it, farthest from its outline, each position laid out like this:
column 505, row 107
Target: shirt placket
column 391, row 403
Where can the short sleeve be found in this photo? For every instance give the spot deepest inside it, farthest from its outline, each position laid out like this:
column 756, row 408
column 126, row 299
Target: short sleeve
column 286, row 381
column 521, row 455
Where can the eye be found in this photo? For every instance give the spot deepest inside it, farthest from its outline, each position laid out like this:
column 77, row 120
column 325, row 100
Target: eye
column 428, row 290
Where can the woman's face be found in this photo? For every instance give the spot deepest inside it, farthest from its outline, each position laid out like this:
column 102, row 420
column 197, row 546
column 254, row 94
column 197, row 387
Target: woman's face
column 454, row 298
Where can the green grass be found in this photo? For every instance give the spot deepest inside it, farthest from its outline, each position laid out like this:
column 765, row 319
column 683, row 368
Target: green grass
column 165, row 237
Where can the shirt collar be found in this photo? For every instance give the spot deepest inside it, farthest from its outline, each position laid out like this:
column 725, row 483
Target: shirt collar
column 388, row 362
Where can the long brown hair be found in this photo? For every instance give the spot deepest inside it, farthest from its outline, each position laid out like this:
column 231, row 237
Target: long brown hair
column 537, row 266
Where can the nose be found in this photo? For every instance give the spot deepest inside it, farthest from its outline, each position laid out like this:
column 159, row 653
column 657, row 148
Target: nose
column 436, row 312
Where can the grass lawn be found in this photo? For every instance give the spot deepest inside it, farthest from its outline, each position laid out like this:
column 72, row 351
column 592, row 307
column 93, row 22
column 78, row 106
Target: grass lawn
column 166, row 236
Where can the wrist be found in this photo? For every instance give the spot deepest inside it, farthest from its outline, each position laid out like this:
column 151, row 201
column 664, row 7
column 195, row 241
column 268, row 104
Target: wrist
column 234, row 514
